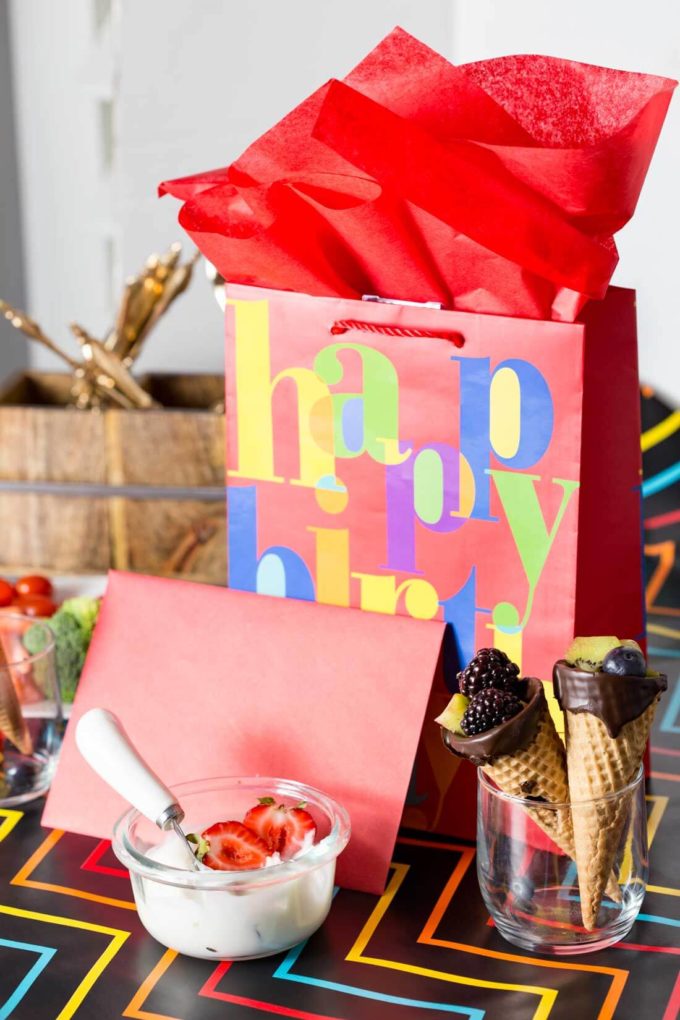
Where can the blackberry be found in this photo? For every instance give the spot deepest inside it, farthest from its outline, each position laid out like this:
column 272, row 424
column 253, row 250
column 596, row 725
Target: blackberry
column 487, row 709
column 489, row 668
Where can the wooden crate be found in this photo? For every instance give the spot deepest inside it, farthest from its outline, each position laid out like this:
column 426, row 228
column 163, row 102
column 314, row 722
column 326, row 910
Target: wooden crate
column 82, row 491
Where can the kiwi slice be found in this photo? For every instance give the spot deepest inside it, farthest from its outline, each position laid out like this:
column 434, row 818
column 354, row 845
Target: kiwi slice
column 453, row 713
column 587, row 653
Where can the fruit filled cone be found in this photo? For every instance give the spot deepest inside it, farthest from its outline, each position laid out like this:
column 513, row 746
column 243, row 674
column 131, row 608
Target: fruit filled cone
column 525, row 758
column 607, row 723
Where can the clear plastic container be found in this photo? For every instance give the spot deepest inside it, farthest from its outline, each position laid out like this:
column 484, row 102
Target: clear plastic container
column 231, row 915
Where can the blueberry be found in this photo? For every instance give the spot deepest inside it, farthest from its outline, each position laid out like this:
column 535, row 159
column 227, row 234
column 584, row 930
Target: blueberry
column 624, row 661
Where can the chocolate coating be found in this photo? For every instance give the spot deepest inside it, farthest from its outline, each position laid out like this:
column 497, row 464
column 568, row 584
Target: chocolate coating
column 616, row 700
column 511, row 736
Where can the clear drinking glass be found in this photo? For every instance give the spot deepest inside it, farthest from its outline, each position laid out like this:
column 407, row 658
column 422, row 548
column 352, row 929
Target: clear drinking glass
column 530, row 886
column 31, row 718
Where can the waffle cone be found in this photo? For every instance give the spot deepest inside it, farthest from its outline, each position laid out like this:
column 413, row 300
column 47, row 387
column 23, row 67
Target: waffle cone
column 12, row 723
column 598, row 764
column 539, row 770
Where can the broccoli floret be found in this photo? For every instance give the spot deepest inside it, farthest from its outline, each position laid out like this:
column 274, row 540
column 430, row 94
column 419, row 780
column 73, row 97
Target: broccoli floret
column 71, row 644
column 84, row 609
column 72, row 626
column 35, row 640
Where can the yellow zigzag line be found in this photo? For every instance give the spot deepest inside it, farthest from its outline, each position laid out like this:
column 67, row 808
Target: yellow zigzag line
column 659, row 805
column 548, row 995
column 11, row 818
column 654, row 815
column 356, row 954
column 118, row 938
column 655, row 435
column 657, row 628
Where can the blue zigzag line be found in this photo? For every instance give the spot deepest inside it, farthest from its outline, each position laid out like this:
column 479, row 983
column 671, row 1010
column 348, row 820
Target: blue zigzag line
column 669, row 721
column 283, row 971
column 663, row 480
column 45, row 954
column 664, row 653
column 570, row 878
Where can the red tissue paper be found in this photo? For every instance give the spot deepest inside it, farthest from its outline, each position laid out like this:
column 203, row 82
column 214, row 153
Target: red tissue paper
column 490, row 187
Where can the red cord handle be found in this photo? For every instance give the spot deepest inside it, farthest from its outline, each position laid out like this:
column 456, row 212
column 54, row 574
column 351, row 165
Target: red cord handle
column 344, row 325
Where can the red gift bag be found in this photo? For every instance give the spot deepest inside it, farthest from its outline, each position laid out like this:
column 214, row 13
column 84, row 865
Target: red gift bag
column 480, row 469
column 477, row 462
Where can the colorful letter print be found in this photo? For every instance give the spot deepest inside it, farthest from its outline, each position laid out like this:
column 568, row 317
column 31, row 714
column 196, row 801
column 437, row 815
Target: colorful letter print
column 403, row 474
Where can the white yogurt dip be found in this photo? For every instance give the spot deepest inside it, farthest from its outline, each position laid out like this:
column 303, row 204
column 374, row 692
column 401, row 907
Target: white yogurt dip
column 245, row 921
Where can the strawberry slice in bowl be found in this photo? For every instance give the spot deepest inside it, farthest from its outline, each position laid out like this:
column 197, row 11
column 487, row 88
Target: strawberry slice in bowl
column 232, row 846
column 285, row 830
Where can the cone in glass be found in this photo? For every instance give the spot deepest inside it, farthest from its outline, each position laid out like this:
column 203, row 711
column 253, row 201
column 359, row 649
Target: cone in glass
column 12, row 723
column 607, row 724
column 525, row 758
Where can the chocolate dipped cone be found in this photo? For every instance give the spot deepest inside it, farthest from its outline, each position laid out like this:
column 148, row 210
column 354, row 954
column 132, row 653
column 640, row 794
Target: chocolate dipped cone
column 525, row 758
column 607, row 724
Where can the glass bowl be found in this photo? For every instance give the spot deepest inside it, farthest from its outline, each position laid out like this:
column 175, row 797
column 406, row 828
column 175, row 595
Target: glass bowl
column 231, row 915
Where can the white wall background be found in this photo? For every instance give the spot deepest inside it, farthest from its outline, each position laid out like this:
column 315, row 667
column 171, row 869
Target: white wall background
column 13, row 354
column 63, row 70
column 112, row 96
column 192, row 84
column 636, row 36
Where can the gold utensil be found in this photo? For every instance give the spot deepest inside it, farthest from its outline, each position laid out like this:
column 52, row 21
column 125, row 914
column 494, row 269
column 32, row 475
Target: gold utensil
column 109, row 367
column 103, row 376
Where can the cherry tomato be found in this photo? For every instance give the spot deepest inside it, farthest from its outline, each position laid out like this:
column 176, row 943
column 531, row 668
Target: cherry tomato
column 33, row 584
column 36, row 605
column 6, row 593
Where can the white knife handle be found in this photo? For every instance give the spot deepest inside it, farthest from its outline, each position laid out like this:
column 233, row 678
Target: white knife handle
column 106, row 747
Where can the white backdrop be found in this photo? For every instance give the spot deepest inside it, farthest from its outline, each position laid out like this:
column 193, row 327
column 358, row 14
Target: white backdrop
column 634, row 36
column 112, row 96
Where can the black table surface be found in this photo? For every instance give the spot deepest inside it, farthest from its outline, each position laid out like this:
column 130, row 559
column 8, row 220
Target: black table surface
column 71, row 942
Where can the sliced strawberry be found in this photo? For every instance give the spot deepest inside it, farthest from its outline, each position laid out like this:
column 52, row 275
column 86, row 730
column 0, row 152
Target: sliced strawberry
column 284, row 830
column 233, row 847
